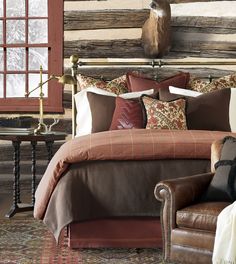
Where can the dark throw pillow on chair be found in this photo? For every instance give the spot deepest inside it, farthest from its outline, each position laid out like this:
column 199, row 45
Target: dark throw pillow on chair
column 223, row 184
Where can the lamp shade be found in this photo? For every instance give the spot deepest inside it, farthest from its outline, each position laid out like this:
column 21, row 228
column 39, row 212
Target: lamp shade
column 66, row 79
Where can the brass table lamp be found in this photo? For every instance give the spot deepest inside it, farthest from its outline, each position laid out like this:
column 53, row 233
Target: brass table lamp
column 65, row 79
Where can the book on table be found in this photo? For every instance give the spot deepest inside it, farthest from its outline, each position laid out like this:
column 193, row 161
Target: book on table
column 16, row 131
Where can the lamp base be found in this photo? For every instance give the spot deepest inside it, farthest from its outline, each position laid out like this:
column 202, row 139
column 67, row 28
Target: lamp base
column 40, row 129
column 43, row 128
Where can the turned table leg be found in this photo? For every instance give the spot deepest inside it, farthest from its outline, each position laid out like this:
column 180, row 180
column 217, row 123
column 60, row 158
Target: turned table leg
column 33, row 170
column 16, row 179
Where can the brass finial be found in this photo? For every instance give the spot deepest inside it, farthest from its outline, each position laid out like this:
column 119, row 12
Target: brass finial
column 74, row 58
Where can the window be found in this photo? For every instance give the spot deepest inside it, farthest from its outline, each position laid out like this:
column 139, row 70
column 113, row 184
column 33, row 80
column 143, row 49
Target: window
column 31, row 34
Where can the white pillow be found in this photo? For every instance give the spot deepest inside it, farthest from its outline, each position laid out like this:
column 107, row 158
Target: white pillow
column 84, row 116
column 185, row 92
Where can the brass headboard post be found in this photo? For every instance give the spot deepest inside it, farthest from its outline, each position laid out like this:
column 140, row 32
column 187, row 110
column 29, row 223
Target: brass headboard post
column 74, row 60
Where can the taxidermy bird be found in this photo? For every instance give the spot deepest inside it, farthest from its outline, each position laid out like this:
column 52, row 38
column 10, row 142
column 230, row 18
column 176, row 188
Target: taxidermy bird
column 156, row 30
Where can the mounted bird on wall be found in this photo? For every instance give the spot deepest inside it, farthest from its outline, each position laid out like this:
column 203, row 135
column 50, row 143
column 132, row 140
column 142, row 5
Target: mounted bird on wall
column 157, row 29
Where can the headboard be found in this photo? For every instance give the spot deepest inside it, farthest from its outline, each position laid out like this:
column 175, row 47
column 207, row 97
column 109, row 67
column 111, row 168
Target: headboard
column 160, row 69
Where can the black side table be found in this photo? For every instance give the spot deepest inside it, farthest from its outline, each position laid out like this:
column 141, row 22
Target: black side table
column 16, row 142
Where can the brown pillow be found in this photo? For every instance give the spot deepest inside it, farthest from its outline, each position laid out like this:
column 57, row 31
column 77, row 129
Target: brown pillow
column 137, row 82
column 102, row 109
column 165, row 115
column 165, row 95
column 128, row 114
column 210, row 111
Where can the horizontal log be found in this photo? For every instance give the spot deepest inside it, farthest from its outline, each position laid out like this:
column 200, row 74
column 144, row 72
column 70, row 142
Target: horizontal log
column 104, row 48
column 104, row 19
column 83, row 0
column 189, row 1
column 158, row 73
column 132, row 49
column 6, row 167
column 83, row 20
column 6, row 186
column 6, row 153
column 226, row 25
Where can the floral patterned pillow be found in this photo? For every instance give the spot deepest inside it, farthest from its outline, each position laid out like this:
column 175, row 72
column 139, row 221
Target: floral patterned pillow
column 198, row 85
column 165, row 115
column 117, row 86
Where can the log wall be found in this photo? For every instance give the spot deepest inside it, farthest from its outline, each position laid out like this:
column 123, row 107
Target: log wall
column 112, row 28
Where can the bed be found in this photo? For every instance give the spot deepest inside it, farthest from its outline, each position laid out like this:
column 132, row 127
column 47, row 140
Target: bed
column 100, row 185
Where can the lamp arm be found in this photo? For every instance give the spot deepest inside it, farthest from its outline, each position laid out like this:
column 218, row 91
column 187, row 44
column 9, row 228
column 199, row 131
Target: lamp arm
column 41, row 84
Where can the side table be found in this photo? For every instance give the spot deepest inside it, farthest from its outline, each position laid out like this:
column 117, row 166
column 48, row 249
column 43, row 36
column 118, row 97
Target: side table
column 49, row 139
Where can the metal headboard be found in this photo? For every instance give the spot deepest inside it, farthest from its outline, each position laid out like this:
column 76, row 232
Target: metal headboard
column 105, row 62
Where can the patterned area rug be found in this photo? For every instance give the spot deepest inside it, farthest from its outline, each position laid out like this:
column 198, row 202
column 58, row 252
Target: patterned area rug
column 28, row 241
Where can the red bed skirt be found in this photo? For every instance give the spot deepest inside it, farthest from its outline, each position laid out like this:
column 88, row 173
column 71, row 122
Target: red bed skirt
column 122, row 233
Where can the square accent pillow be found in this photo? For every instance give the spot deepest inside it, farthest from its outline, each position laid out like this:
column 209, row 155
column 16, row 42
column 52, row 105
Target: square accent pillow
column 199, row 85
column 215, row 110
column 138, row 82
column 165, row 115
column 83, row 115
column 102, row 108
column 223, row 184
column 116, row 86
column 128, row 114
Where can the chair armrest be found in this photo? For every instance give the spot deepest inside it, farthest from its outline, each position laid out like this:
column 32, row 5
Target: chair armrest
column 174, row 195
column 182, row 191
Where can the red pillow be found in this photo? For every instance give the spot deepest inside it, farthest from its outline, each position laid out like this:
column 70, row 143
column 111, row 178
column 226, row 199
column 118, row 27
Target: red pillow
column 128, row 114
column 137, row 82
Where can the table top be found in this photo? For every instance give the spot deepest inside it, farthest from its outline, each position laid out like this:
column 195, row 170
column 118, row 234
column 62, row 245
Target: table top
column 52, row 136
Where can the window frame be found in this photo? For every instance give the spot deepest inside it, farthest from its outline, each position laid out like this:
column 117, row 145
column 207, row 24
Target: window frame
column 52, row 103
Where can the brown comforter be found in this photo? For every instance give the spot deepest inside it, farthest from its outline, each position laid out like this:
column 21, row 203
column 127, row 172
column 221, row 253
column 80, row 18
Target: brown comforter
column 140, row 144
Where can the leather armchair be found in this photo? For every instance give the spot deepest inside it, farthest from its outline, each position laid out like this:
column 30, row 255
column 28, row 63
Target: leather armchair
column 188, row 225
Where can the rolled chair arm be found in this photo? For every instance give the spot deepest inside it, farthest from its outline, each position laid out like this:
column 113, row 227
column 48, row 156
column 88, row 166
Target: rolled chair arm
column 182, row 191
column 174, row 195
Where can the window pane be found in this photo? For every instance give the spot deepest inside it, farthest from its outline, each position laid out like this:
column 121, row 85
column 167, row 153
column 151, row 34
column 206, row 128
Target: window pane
column 38, row 8
column 1, row 32
column 1, row 59
column 37, row 57
column 34, row 80
column 15, row 85
column 1, row 85
column 16, row 59
column 15, row 8
column 38, row 30
column 15, row 31
column 1, row 8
